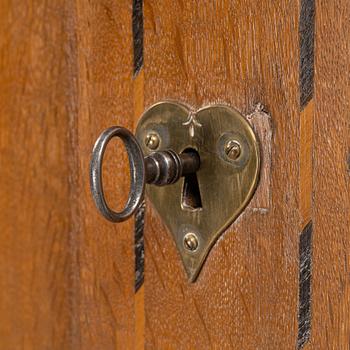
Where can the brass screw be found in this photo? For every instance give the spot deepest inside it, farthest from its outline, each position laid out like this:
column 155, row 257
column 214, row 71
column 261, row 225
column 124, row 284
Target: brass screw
column 191, row 241
column 152, row 140
column 233, row 149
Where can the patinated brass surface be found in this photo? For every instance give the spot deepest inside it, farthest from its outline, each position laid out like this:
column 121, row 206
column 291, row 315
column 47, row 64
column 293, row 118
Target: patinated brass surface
column 226, row 183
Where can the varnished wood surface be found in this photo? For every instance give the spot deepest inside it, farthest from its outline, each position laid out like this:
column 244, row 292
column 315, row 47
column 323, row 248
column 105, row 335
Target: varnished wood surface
column 105, row 251
column 241, row 53
column 36, row 203
column 306, row 165
column 331, row 177
column 262, row 126
column 67, row 275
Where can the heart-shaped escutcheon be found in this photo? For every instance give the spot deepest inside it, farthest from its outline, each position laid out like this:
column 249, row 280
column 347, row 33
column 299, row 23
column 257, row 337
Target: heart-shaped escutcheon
column 198, row 208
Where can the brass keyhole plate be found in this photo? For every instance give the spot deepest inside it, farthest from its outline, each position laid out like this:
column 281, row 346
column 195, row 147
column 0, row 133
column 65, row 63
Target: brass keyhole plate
column 226, row 180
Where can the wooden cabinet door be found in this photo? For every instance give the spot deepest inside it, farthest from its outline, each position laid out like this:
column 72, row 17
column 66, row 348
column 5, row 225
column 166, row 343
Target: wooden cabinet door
column 278, row 278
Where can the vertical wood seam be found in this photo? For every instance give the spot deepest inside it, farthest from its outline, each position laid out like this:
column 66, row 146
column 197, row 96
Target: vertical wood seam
column 306, row 81
column 137, row 30
column 73, row 160
column 305, row 269
column 139, row 246
column 137, row 26
column 306, row 37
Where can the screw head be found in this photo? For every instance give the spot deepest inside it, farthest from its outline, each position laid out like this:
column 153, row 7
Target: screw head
column 191, row 241
column 233, row 149
column 152, row 140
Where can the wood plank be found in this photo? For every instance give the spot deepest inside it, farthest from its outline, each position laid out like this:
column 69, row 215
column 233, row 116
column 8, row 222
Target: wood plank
column 331, row 214
column 67, row 275
column 37, row 102
column 106, row 250
column 241, row 53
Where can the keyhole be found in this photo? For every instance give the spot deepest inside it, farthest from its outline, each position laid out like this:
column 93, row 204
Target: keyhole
column 191, row 196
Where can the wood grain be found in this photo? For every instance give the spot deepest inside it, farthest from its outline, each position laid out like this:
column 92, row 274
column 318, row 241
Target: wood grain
column 36, row 105
column 261, row 123
column 66, row 275
column 306, row 170
column 105, row 256
column 331, row 214
column 241, row 53
column 306, row 227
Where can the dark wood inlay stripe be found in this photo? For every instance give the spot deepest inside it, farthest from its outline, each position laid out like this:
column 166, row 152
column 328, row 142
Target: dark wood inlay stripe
column 306, row 38
column 139, row 246
column 137, row 30
column 305, row 269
